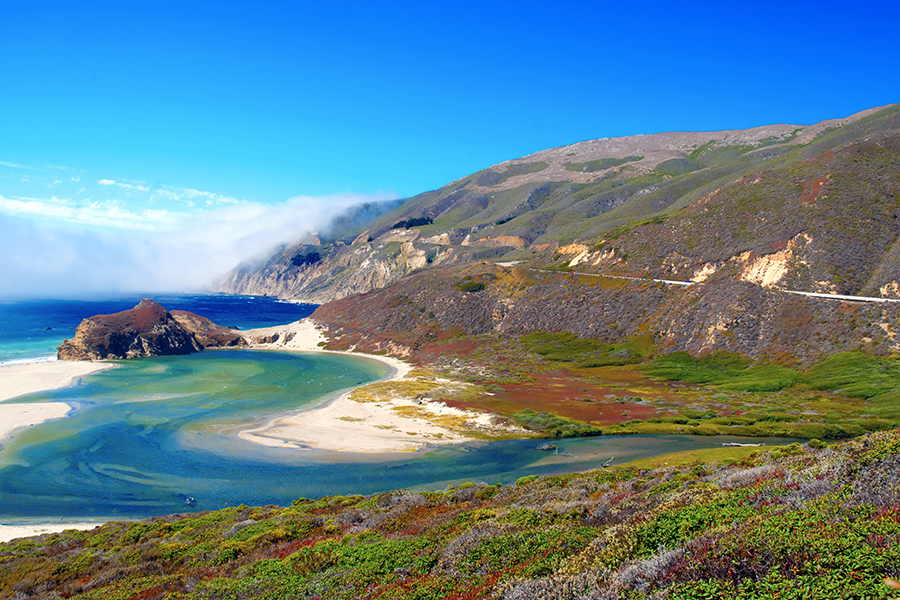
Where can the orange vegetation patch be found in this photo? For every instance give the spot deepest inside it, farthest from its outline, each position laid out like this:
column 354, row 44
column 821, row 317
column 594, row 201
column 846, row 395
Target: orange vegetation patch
column 813, row 188
column 562, row 396
column 822, row 159
column 430, row 352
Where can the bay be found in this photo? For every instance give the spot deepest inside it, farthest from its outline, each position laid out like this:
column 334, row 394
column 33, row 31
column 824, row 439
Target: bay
column 159, row 436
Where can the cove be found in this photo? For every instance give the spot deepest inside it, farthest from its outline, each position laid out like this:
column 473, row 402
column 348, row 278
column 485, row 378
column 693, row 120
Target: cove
column 148, row 436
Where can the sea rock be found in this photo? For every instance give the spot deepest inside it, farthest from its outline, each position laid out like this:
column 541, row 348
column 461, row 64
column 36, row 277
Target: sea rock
column 148, row 329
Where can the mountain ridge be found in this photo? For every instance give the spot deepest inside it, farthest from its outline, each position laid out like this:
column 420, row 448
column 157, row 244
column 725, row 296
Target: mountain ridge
column 480, row 217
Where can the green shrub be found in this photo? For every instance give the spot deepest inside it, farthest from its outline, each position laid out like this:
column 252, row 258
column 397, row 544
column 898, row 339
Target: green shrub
column 728, row 370
column 470, row 286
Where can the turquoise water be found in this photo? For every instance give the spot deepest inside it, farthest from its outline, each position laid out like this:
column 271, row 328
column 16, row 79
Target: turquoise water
column 148, row 434
column 145, row 437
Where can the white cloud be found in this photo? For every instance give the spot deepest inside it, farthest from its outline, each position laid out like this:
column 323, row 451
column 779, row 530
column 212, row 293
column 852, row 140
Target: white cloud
column 58, row 246
column 188, row 196
column 128, row 186
column 18, row 166
column 62, row 168
column 102, row 214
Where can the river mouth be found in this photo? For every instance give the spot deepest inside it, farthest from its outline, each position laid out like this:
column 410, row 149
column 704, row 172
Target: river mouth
column 159, row 436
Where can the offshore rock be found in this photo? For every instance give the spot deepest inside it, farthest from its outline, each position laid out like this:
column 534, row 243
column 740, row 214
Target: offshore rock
column 148, row 329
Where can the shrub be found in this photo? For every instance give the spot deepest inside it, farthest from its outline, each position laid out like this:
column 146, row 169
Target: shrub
column 526, row 479
column 413, row 222
column 471, row 286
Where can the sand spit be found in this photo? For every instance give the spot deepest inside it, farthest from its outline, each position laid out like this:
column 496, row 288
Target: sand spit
column 29, row 378
column 12, row 532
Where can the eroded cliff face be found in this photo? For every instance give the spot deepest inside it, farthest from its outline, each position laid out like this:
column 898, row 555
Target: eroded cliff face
column 148, row 329
column 727, row 314
column 357, row 268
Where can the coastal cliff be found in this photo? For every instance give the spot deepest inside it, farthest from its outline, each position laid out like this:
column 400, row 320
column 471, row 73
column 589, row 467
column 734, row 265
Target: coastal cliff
column 148, row 329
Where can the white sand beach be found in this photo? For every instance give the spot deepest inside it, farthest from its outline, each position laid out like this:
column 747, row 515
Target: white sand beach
column 12, row 532
column 393, row 423
column 29, row 378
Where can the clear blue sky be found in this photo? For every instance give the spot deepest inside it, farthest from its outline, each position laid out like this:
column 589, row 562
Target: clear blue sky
column 200, row 106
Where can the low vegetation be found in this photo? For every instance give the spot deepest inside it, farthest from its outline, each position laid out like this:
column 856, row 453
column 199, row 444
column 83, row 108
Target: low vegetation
column 413, row 222
column 559, row 385
column 601, row 164
column 553, row 426
column 793, row 522
column 728, row 371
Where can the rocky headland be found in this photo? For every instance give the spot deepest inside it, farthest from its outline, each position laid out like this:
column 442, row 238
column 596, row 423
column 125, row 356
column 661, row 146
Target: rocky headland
column 148, row 329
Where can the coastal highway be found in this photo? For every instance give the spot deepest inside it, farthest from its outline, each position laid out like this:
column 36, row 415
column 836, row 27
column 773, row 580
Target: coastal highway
column 842, row 297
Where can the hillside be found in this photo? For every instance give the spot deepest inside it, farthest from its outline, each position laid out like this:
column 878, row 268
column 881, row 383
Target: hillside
column 795, row 522
column 569, row 200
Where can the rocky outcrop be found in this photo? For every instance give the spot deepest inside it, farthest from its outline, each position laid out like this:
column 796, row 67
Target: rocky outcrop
column 338, row 271
column 207, row 333
column 148, row 329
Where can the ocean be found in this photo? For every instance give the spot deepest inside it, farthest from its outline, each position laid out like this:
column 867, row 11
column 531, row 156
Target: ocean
column 159, row 435
column 30, row 330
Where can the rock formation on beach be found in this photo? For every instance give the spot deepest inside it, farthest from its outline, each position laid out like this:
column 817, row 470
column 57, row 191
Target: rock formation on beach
column 148, row 329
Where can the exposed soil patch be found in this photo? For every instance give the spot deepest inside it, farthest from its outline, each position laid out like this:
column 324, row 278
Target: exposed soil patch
column 813, row 188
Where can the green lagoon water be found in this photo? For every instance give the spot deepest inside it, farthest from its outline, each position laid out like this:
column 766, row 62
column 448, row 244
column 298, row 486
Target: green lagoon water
column 146, row 437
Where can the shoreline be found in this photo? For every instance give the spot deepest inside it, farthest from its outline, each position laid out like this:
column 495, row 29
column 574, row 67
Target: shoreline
column 340, row 425
column 398, row 423
column 14, row 532
column 23, row 379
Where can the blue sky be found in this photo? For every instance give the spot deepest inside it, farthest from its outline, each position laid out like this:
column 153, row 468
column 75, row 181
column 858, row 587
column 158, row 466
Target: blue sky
column 195, row 126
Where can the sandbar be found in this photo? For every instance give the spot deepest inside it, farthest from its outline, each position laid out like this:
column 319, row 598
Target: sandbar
column 29, row 378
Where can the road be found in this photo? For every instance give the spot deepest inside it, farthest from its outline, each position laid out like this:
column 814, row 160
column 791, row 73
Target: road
column 842, row 297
